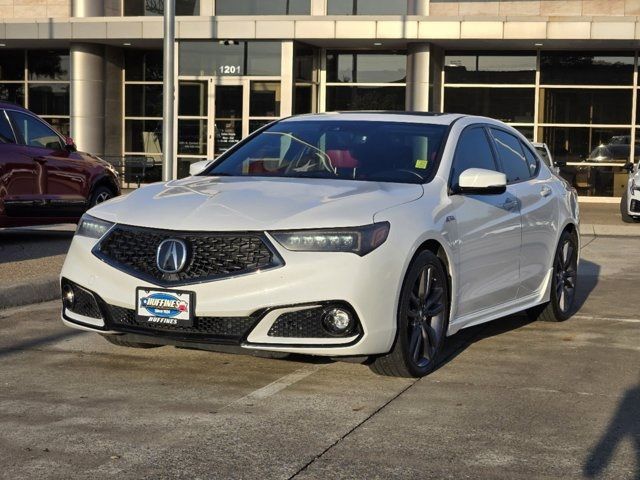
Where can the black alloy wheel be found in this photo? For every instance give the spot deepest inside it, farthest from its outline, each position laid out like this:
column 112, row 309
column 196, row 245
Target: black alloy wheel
column 564, row 282
column 422, row 321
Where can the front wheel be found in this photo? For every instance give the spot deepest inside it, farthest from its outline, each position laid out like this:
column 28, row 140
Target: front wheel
column 422, row 321
column 563, row 282
column 100, row 195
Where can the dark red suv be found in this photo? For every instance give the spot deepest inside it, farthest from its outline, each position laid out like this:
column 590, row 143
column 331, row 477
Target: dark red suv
column 43, row 179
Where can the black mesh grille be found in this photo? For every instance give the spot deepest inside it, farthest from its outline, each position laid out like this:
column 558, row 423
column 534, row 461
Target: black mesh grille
column 635, row 206
column 229, row 328
column 302, row 324
column 84, row 304
column 211, row 255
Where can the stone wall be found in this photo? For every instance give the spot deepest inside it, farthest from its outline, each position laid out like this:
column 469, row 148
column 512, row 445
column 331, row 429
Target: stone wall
column 534, row 7
column 35, row 8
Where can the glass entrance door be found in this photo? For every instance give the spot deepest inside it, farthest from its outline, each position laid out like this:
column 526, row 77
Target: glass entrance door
column 215, row 113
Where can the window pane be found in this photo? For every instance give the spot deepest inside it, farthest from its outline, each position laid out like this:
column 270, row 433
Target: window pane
column 560, row 68
column 227, row 134
column 12, row 92
column 142, row 169
column 366, row 7
column 586, row 106
column 184, row 164
column 263, row 7
column 531, row 159
column 61, row 125
column 34, row 132
column 517, row 68
column 265, row 99
column 6, row 133
column 586, row 144
column 143, row 101
column 263, row 58
column 366, row 67
column 526, row 131
column 365, row 98
column 228, row 102
column 192, row 137
column 143, row 65
column 512, row 105
column 256, row 124
column 11, row 64
column 211, row 58
column 137, row 8
column 48, row 64
column 143, row 136
column 512, row 159
column 473, row 151
column 193, row 99
column 303, row 99
column 49, row 99
column 303, row 66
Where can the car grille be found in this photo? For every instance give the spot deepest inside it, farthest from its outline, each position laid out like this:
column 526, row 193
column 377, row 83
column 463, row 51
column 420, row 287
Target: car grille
column 232, row 329
column 84, row 303
column 211, row 255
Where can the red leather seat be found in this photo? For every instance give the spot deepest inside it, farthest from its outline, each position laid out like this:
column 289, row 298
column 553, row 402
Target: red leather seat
column 342, row 159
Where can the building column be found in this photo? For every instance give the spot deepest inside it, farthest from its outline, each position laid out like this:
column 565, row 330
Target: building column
column 288, row 84
column 418, row 7
column 87, row 85
column 418, row 77
column 318, row 7
column 87, row 96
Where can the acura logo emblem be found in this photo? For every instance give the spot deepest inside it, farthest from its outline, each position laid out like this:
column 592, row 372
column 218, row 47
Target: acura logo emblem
column 171, row 256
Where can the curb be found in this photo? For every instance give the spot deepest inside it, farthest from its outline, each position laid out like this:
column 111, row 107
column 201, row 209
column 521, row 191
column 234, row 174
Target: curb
column 37, row 291
column 622, row 230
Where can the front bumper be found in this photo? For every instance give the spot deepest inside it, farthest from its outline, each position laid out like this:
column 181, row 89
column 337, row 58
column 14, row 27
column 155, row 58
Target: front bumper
column 243, row 310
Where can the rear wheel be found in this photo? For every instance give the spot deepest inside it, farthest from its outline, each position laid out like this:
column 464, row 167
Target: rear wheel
column 563, row 282
column 422, row 321
column 117, row 340
column 624, row 209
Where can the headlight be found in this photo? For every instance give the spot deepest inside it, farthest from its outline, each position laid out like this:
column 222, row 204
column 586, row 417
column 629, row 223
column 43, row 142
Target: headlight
column 358, row 240
column 92, row 227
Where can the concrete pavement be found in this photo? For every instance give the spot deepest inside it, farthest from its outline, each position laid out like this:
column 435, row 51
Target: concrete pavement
column 513, row 399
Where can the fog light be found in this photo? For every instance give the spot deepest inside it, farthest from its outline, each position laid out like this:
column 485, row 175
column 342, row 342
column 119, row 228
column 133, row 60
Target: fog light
column 68, row 296
column 337, row 321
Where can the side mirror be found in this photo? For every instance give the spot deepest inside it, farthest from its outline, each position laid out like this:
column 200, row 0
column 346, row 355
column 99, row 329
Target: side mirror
column 198, row 167
column 69, row 144
column 478, row 181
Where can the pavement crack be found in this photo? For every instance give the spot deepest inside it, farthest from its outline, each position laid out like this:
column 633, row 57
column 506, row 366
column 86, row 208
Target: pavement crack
column 334, row 444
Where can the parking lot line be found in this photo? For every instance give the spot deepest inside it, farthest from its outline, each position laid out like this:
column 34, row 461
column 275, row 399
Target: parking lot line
column 606, row 319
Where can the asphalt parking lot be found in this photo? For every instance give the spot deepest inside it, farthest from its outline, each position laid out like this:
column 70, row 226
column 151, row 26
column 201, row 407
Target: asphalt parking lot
column 513, row 399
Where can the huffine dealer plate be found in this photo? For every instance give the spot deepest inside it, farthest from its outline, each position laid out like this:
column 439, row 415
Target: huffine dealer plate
column 165, row 307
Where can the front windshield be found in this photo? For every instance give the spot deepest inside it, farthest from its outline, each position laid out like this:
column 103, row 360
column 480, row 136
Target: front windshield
column 353, row 150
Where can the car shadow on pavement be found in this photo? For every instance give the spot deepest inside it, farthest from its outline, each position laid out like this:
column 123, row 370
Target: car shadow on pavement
column 456, row 344
column 21, row 244
column 624, row 426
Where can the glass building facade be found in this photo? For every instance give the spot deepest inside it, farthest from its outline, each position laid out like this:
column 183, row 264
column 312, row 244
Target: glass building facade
column 244, row 63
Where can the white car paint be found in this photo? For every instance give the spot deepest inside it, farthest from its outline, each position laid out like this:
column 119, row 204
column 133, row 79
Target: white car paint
column 499, row 248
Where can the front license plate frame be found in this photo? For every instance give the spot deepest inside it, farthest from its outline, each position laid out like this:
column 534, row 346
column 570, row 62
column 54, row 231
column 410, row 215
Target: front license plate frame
column 168, row 307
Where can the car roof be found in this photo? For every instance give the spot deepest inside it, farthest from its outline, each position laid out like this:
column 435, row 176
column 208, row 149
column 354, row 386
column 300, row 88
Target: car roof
column 12, row 106
column 387, row 116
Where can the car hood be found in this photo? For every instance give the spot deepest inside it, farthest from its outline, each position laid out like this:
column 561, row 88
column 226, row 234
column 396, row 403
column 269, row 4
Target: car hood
column 241, row 204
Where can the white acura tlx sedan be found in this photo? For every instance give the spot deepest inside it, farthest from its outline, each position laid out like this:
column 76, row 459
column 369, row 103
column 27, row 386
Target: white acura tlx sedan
column 368, row 236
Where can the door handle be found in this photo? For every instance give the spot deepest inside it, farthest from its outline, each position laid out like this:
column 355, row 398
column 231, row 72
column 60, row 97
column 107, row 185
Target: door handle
column 546, row 191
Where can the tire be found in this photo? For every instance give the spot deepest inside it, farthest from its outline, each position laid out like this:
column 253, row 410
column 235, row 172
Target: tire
column 423, row 315
column 624, row 209
column 117, row 340
column 565, row 271
column 100, row 195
